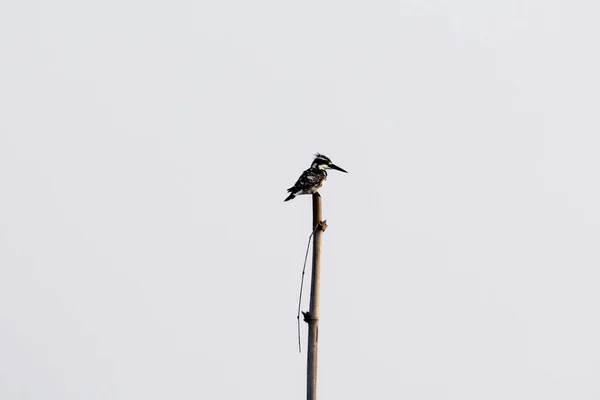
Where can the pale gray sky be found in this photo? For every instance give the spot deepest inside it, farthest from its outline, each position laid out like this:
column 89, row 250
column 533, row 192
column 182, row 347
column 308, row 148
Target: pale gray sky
column 145, row 149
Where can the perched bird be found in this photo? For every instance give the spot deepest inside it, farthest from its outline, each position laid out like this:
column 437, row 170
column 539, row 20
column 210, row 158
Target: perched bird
column 313, row 178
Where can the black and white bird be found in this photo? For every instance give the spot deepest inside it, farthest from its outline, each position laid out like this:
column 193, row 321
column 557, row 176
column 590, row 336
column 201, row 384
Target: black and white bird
column 313, row 178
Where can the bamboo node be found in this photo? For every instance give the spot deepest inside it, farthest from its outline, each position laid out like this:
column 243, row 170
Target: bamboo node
column 306, row 315
column 323, row 225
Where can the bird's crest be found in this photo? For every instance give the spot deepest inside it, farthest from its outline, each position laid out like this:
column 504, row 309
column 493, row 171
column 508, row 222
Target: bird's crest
column 320, row 156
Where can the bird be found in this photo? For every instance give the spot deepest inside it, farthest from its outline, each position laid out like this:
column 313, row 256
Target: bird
column 313, row 178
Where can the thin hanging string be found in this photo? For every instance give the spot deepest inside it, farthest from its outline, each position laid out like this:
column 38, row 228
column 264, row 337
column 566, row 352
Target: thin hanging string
column 302, row 285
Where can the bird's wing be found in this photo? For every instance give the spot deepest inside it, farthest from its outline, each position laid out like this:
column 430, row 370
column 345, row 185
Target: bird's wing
column 306, row 179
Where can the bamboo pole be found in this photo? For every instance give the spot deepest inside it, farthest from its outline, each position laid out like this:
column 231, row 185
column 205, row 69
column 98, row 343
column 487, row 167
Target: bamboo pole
column 315, row 292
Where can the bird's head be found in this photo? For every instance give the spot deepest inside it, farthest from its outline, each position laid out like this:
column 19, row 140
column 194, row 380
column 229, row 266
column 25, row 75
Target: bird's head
column 323, row 162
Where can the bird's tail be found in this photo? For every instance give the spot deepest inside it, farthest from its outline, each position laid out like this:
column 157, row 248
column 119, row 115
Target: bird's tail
column 290, row 197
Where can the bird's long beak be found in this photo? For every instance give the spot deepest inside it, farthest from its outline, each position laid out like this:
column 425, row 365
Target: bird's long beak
column 333, row 166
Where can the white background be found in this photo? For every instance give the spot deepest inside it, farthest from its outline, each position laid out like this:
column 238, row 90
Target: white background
column 145, row 149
